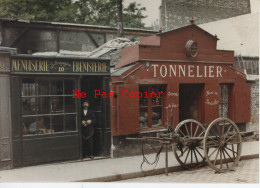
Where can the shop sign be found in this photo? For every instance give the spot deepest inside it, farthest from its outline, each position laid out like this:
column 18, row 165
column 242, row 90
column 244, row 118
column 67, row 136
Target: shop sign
column 58, row 65
column 191, row 71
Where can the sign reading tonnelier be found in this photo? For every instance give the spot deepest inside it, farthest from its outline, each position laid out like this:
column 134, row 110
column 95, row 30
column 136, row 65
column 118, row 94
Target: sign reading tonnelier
column 55, row 65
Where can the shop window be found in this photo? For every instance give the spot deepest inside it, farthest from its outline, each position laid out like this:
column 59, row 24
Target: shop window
column 151, row 106
column 48, row 106
column 224, row 100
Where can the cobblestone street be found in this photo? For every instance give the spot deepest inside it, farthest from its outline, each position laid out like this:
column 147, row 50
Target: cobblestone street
column 246, row 172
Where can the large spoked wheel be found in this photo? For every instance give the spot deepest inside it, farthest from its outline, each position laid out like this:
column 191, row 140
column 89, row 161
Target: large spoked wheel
column 192, row 155
column 222, row 145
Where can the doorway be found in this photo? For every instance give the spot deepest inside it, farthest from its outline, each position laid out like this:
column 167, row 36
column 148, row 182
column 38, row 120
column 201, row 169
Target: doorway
column 189, row 100
column 100, row 107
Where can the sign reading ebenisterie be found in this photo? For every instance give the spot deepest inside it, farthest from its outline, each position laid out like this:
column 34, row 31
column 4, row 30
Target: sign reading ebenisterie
column 58, row 65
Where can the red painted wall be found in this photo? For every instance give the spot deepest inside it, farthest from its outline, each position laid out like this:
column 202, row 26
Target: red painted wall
column 170, row 65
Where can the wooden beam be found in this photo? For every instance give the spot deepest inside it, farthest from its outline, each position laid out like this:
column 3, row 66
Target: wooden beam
column 92, row 39
column 20, row 36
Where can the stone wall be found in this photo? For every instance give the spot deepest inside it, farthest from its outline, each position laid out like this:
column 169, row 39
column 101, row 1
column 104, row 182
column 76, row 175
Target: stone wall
column 178, row 13
column 253, row 125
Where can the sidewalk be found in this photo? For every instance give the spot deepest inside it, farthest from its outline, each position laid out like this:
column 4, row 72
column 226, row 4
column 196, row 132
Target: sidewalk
column 101, row 170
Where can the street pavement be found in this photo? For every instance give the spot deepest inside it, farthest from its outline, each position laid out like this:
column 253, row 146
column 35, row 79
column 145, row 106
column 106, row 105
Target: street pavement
column 110, row 169
column 246, row 172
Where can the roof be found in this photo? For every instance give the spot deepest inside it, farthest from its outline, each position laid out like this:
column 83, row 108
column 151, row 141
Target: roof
column 120, row 71
column 64, row 24
column 112, row 49
column 190, row 25
column 240, row 33
column 63, row 53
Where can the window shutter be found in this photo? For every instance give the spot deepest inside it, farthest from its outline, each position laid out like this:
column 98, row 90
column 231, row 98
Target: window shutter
column 127, row 111
column 242, row 102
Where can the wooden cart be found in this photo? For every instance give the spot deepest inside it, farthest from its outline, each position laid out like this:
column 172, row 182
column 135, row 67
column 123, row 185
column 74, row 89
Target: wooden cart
column 193, row 144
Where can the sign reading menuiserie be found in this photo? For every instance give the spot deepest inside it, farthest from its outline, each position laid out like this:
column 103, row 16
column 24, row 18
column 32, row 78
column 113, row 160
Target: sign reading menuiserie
column 58, row 65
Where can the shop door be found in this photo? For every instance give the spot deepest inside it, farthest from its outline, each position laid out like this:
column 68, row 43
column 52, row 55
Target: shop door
column 189, row 99
column 93, row 85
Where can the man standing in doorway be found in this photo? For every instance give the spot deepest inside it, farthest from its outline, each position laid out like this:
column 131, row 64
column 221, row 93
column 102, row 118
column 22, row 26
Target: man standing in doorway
column 87, row 121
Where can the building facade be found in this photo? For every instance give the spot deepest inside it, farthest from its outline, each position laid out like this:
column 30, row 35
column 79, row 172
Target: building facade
column 177, row 13
column 170, row 77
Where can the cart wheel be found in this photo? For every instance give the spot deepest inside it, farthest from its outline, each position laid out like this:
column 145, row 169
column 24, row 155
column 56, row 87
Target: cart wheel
column 191, row 155
column 222, row 145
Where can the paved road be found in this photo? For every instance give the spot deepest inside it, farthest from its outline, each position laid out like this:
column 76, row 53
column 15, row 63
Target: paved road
column 246, row 172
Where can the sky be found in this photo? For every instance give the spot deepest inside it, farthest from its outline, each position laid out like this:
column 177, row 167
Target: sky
column 152, row 9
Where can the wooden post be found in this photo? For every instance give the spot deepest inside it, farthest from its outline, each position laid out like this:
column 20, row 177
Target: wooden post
column 166, row 159
column 120, row 18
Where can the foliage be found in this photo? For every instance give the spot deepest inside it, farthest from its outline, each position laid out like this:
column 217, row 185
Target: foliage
column 92, row 12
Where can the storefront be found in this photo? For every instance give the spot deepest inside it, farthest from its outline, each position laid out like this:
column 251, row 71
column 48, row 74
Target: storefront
column 173, row 76
column 46, row 98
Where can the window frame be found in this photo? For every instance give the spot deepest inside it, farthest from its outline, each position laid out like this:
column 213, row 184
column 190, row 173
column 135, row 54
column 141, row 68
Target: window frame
column 51, row 115
column 150, row 107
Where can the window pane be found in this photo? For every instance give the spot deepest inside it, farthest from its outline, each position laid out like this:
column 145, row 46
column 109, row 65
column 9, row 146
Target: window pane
column 225, row 92
column 36, row 125
column 29, row 106
column 156, row 116
column 43, row 87
column 143, row 115
column 43, row 105
column 57, row 87
column 225, row 110
column 26, row 122
column 143, row 101
column 69, row 86
column 70, row 104
column 157, row 100
column 29, row 87
column 57, row 123
column 70, row 122
column 57, row 105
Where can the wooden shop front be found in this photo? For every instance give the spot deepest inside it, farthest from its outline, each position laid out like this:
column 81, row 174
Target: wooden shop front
column 193, row 78
column 42, row 96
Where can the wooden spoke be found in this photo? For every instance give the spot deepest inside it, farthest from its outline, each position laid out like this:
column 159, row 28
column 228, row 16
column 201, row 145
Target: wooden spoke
column 191, row 129
column 191, row 156
column 187, row 156
column 215, row 133
column 211, row 146
column 195, row 156
column 187, row 130
column 213, row 152
column 183, row 152
column 200, row 147
column 213, row 140
column 232, row 150
column 227, row 153
column 226, row 135
column 225, row 158
column 182, row 132
column 196, row 130
column 230, row 138
column 223, row 128
column 220, row 159
column 216, row 157
column 201, row 133
column 199, row 153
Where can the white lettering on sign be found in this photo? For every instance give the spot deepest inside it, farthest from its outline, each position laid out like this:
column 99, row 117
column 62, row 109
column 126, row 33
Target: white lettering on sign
column 187, row 71
column 175, row 105
column 170, row 94
column 208, row 102
column 211, row 93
